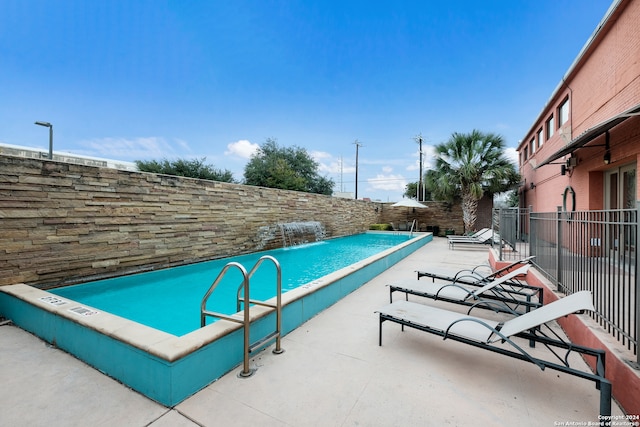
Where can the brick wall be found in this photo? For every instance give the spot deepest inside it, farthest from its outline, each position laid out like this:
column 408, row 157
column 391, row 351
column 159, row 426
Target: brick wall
column 63, row 223
column 604, row 82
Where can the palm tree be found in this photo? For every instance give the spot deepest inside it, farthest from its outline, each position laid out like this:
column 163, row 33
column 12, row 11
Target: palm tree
column 466, row 166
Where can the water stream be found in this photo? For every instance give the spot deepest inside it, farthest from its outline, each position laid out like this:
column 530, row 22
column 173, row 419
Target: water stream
column 297, row 233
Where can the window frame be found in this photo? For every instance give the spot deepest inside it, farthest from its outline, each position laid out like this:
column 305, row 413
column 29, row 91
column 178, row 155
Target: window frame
column 563, row 112
column 540, row 137
column 549, row 127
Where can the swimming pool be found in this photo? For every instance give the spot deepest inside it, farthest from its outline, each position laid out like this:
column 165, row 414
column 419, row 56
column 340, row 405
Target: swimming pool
column 165, row 367
column 169, row 299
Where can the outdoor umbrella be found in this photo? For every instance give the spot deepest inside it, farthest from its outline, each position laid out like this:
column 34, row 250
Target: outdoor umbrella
column 409, row 203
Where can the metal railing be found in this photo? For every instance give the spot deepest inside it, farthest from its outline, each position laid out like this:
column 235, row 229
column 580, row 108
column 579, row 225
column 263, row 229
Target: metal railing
column 511, row 227
column 244, row 301
column 583, row 250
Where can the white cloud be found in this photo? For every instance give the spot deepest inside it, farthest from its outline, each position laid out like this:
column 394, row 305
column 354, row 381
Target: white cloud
column 511, row 154
column 141, row 148
column 414, row 166
column 241, row 148
column 333, row 168
column 428, row 153
column 184, row 144
column 319, row 155
column 329, row 164
column 387, row 182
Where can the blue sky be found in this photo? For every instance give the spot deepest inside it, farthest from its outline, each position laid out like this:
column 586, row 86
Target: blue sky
column 141, row 80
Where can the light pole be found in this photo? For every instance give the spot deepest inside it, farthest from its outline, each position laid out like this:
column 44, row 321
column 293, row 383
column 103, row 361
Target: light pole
column 358, row 145
column 420, row 189
column 50, row 126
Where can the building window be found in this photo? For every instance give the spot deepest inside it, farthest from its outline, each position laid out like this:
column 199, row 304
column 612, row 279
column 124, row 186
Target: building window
column 532, row 146
column 563, row 113
column 540, row 138
column 550, row 127
column 526, row 153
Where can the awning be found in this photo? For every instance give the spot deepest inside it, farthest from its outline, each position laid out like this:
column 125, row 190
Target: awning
column 590, row 134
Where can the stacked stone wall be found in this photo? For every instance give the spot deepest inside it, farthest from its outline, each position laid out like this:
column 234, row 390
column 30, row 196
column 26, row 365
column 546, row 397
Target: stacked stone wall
column 437, row 217
column 64, row 223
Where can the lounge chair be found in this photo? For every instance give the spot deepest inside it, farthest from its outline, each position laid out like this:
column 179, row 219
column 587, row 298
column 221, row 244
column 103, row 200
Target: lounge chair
column 471, row 235
column 491, row 335
column 491, row 295
column 474, row 276
column 481, row 234
column 475, row 273
column 484, row 238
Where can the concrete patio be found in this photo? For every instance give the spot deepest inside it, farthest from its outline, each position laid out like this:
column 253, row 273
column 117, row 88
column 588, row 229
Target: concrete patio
column 333, row 373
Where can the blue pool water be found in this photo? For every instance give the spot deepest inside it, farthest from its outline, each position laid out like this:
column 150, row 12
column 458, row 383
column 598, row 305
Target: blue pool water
column 169, row 368
column 169, row 299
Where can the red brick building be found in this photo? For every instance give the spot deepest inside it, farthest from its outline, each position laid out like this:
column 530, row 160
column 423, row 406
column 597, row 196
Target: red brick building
column 582, row 151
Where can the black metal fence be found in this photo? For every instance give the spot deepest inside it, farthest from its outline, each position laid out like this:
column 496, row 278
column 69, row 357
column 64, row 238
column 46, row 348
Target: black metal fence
column 512, row 226
column 585, row 250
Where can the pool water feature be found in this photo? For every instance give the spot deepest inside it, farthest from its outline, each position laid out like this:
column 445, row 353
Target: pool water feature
column 296, row 233
column 165, row 367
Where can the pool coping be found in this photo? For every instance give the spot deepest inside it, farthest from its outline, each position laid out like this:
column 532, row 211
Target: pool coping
column 46, row 314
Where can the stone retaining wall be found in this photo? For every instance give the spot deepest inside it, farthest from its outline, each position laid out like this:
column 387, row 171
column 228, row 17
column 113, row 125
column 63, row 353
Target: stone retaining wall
column 437, row 217
column 63, row 223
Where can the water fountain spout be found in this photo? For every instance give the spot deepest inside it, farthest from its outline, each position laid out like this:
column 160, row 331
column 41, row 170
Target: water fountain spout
column 296, row 233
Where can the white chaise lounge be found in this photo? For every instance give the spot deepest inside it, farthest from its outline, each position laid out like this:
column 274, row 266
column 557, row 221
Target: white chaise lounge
column 498, row 294
column 491, row 334
column 475, row 276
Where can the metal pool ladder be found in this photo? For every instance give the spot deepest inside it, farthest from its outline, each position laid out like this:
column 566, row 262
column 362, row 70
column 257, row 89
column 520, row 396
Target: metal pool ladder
column 246, row 301
column 413, row 225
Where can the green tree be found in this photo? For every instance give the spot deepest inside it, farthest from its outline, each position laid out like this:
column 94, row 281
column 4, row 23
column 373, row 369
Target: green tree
column 288, row 168
column 195, row 168
column 513, row 199
column 466, row 166
column 411, row 191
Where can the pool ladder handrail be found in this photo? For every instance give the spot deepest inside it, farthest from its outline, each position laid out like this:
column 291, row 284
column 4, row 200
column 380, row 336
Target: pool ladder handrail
column 246, row 318
column 277, row 306
column 413, row 225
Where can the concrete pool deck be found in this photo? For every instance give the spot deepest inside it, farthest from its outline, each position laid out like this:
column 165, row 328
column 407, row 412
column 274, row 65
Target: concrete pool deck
column 333, row 373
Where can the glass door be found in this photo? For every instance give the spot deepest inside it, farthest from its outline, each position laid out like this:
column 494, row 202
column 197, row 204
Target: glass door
column 628, row 187
column 620, row 185
column 620, row 194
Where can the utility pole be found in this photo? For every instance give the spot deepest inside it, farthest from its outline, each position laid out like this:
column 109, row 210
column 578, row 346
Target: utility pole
column 358, row 145
column 420, row 189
